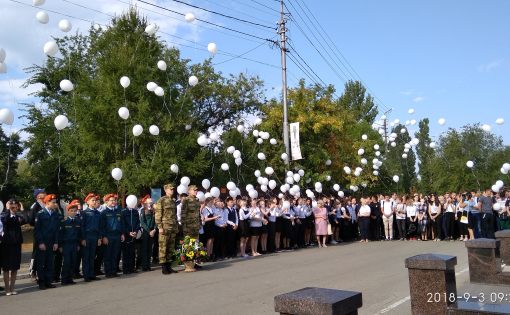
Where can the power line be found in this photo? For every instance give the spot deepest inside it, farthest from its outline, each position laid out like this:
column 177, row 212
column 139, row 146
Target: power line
column 205, row 21
column 223, row 15
column 338, row 51
column 238, row 11
column 265, row 6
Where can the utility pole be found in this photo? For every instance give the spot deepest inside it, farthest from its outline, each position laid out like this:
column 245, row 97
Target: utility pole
column 283, row 40
column 385, row 126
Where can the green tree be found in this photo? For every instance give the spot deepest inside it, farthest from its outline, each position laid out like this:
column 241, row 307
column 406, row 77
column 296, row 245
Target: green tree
column 360, row 103
column 425, row 156
column 98, row 140
column 10, row 149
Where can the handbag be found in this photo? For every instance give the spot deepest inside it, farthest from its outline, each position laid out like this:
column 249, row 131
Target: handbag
column 464, row 219
column 139, row 234
column 330, row 231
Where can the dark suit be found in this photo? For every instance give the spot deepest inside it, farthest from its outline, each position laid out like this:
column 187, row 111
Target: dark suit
column 47, row 226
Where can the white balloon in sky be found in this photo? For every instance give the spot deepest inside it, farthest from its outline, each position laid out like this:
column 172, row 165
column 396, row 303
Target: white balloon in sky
column 50, row 48
column 260, row 141
column 137, row 130
column 212, row 48
column 151, row 29
column 284, row 156
column 154, row 130
column 6, row 116
column 174, row 168
column 273, row 141
column 123, row 113
column 441, row 121
column 162, row 65
column 2, row 54
column 125, row 81
column 361, row 151
column 66, row 85
column 193, row 80
column 470, row 164
column 396, row 178
column 364, row 137
column 413, row 122
column 376, row 147
column 224, row 166
column 206, row 183
column 261, row 156
column 37, row 3
column 499, row 121
column 61, row 122
column 410, row 111
column 231, row 149
column 506, row 166
column 159, row 91
column 432, row 145
column 189, row 17
column 65, row 26
column 214, row 136
column 486, row 127
column 42, row 17
column 240, row 128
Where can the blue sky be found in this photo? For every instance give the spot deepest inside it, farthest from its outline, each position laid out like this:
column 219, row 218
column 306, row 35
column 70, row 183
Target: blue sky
column 446, row 59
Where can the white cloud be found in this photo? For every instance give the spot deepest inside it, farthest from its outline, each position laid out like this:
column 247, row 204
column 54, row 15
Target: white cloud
column 407, row 92
column 418, row 99
column 11, row 91
column 488, row 67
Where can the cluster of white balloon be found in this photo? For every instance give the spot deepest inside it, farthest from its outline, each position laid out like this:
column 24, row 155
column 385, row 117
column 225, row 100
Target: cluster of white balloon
column 497, row 186
column 3, row 55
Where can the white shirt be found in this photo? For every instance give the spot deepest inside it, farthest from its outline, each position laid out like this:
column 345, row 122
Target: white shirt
column 411, row 211
column 387, row 208
column 243, row 216
column 434, row 209
column 222, row 216
column 401, row 211
column 256, row 217
column 450, row 208
column 364, row 211
column 179, row 211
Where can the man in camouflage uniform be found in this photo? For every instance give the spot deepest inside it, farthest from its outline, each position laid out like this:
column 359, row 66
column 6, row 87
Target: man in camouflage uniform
column 190, row 213
column 166, row 220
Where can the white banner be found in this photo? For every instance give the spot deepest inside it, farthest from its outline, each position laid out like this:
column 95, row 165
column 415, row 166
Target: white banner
column 295, row 150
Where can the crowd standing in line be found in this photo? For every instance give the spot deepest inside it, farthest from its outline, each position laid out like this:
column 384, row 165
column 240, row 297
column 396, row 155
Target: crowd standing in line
column 91, row 239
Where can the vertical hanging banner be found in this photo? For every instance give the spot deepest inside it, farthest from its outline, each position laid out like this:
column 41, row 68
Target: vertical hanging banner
column 295, row 149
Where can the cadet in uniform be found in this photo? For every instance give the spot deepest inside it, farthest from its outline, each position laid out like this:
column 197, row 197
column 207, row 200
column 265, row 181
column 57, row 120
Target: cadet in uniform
column 111, row 228
column 190, row 213
column 131, row 226
column 47, row 223
column 166, row 220
column 69, row 240
column 91, row 237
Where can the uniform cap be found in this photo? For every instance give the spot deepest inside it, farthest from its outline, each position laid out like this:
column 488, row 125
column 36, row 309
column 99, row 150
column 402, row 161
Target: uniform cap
column 146, row 199
column 169, row 186
column 89, row 196
column 49, row 198
column 38, row 191
column 105, row 198
column 73, row 204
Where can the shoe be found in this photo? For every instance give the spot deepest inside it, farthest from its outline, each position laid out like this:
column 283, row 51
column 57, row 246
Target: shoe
column 78, row 276
column 164, row 269
column 88, row 280
column 199, row 266
column 42, row 286
column 56, row 280
column 8, row 293
column 99, row 273
column 14, row 293
column 50, row 286
column 333, row 242
column 95, row 279
column 1, row 288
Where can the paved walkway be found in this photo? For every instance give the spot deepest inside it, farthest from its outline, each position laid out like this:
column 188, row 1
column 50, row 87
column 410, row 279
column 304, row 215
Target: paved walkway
column 248, row 286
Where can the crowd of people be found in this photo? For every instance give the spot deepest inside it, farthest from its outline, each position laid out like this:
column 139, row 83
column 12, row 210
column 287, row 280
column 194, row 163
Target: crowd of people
column 89, row 238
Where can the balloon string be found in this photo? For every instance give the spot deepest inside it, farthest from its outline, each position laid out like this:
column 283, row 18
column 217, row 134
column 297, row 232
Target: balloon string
column 476, row 178
column 183, row 99
column 8, row 162
column 58, row 175
column 125, row 137
column 134, row 148
column 212, row 167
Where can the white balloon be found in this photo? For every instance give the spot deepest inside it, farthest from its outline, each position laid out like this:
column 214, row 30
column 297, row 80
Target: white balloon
column 224, row 166
column 410, row 111
column 187, row 127
column 364, row 137
column 125, row 81
column 131, row 201
column 249, row 187
column 289, row 180
column 137, row 130
column 263, row 188
column 441, row 121
column 185, row 181
column 193, row 80
column 189, row 17
column 236, row 154
column 328, row 162
column 66, row 85
column 404, row 156
column 506, row 166
column 162, row 65
column 257, row 173
column 255, row 133
column 296, row 177
column 42, row 17
column 50, row 48
column 376, row 173
column 214, row 136
column 151, row 29
column 6, row 116
column 2, row 55
column 151, row 86
column 500, row 184
column 61, row 122
column 253, row 194
column 201, row 196
column 273, row 141
column 231, row 149
column 212, row 48
column 336, row 187
column 182, row 189
column 260, row 141
column 261, row 156
column 272, row 184
column 240, row 128
column 64, row 25
column 283, row 188
column 496, row 206
column 238, row 161
column 206, row 183
column 396, row 178
column 341, row 194
column 486, row 127
column 470, row 164
column 495, row 188
column 159, row 91
column 347, row 169
column 361, row 151
column 432, row 145
column 117, row 173
column 301, row 173
column 403, row 130
column 377, row 153
column 208, row 195
column 499, row 121
column 231, row 186
column 393, row 144
column 202, row 141
column 123, row 113
column 284, row 156
column 38, row 2
column 174, row 168
column 269, row 170
column 154, row 130
column 226, row 121
column 364, row 161
column 232, row 193
column 503, row 171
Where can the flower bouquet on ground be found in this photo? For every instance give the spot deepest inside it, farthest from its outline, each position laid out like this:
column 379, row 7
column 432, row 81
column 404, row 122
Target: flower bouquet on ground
column 189, row 252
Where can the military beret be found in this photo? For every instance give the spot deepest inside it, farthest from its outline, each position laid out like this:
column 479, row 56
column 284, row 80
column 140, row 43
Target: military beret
column 38, row 191
column 49, row 198
column 73, row 204
column 146, row 199
column 89, row 196
column 105, row 198
column 169, row 186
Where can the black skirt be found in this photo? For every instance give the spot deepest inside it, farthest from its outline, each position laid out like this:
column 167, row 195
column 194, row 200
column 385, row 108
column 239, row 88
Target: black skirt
column 11, row 256
column 287, row 228
column 244, row 228
column 264, row 229
column 209, row 230
column 256, row 230
column 279, row 224
column 309, row 222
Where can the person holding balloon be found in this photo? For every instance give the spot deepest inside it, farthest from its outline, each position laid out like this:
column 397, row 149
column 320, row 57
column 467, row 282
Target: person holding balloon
column 112, row 236
column 131, row 227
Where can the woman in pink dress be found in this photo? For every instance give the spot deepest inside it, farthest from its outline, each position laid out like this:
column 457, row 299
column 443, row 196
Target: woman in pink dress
column 321, row 223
